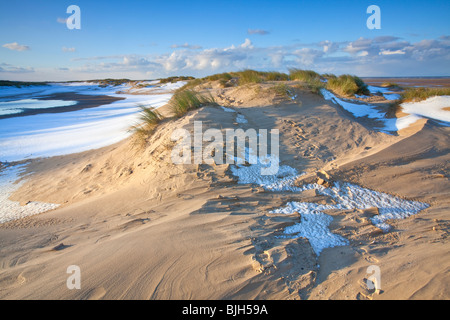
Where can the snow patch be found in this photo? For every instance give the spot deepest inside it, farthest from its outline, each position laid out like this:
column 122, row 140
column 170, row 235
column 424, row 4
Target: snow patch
column 241, row 119
column 432, row 107
column 314, row 221
column 12, row 210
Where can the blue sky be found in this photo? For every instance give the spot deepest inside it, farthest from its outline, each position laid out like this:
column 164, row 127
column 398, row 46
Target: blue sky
column 151, row 39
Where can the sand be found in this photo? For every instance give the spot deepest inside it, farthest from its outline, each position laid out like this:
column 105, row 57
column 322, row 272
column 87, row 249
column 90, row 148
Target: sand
column 140, row 227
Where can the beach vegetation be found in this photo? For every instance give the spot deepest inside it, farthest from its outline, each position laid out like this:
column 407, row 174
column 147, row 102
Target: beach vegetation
column 304, row 75
column 186, row 100
column 149, row 119
column 282, row 90
column 347, row 85
column 418, row 94
column 391, row 85
column 275, row 76
column 109, row 82
column 248, row 77
column 175, row 79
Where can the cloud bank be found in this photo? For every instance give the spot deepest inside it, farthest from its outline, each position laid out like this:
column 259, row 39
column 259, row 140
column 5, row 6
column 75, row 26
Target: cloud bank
column 16, row 47
column 378, row 56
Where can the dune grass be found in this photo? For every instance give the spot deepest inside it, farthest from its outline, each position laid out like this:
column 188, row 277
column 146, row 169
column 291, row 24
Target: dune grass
column 347, row 85
column 328, row 76
column 418, row 94
column 109, row 82
column 186, row 100
column 282, row 90
column 248, row 76
column 175, row 79
column 314, row 86
column 223, row 78
column 275, row 76
column 219, row 76
column 304, row 75
column 149, row 120
column 311, row 79
column 391, row 85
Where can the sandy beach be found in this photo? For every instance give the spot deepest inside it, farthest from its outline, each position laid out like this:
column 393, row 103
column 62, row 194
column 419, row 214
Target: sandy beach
column 139, row 226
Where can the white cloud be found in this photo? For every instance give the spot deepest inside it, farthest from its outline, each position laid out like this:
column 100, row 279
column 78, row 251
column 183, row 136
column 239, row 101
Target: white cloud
column 363, row 53
column 64, row 49
column 388, row 52
column 247, row 44
column 61, row 20
column 185, row 46
column 8, row 68
column 258, row 31
column 16, row 47
column 380, row 56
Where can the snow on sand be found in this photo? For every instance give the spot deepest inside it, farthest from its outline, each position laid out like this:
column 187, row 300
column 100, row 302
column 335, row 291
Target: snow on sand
column 12, row 210
column 314, row 221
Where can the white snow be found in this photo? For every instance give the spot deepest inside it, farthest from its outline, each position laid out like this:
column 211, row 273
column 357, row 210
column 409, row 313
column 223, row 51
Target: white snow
column 396, row 124
column 358, row 110
column 283, row 180
column 391, row 96
column 314, row 221
column 313, row 226
column 432, row 107
column 227, row 109
column 241, row 119
column 45, row 135
column 12, row 210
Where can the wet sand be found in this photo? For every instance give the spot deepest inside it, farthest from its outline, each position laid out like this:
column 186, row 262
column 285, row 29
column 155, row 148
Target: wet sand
column 84, row 102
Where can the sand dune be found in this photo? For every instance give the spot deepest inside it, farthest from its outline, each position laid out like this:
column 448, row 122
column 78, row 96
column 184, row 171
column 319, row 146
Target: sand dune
column 141, row 227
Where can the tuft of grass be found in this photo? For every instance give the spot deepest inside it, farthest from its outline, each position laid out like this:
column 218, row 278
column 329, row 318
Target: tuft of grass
column 219, row 76
column 223, row 78
column 109, row 82
column 175, row 79
column 150, row 118
column 392, row 109
column 329, row 76
column 311, row 79
column 314, row 86
column 186, row 100
column 304, row 75
column 418, row 94
column 275, row 76
column 388, row 84
column 347, row 85
column 282, row 90
column 249, row 76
